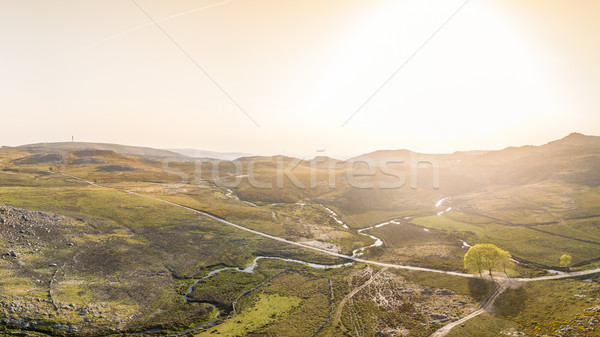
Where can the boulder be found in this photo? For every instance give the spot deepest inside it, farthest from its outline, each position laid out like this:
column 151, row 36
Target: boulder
column 438, row 316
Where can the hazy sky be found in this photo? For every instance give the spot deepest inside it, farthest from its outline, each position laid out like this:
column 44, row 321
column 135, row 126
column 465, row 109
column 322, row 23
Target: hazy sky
column 499, row 73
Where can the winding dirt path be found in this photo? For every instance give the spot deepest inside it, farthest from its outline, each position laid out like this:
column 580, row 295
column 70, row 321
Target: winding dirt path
column 503, row 283
column 338, row 314
column 485, row 306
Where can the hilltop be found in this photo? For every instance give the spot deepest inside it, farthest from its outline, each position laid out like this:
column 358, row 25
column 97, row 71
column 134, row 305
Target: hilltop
column 65, row 147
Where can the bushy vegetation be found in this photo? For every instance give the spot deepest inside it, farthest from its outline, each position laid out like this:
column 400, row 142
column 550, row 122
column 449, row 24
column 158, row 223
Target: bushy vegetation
column 291, row 304
column 567, row 308
column 118, row 262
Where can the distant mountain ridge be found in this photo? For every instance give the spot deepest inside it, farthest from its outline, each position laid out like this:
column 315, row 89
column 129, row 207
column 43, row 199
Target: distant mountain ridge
column 576, row 138
column 572, row 140
column 195, row 153
column 584, row 143
column 65, row 147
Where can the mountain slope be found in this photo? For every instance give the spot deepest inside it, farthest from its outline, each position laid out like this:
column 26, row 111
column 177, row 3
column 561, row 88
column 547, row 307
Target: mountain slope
column 195, row 153
column 65, row 147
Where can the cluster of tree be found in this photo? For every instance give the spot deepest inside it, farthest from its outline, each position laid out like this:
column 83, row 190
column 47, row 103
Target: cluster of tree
column 487, row 257
column 565, row 260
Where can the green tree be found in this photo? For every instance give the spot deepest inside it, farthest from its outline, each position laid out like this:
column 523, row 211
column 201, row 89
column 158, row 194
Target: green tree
column 565, row 260
column 486, row 257
column 505, row 260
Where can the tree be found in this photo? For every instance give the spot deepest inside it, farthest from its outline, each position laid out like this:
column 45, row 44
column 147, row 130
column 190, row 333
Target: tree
column 565, row 260
column 486, row 257
column 505, row 260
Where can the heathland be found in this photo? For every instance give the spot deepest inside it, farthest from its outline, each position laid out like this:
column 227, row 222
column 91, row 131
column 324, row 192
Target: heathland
column 101, row 239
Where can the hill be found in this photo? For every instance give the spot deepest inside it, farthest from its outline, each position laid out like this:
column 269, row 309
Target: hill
column 113, row 255
column 66, row 147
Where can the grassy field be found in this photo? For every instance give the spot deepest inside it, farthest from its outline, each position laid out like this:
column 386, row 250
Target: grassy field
column 292, row 304
column 267, row 308
column 587, row 229
column 223, row 288
column 569, row 307
column 520, row 241
column 406, row 243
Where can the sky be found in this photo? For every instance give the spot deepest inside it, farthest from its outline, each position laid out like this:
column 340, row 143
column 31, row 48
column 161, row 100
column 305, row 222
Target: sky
column 296, row 77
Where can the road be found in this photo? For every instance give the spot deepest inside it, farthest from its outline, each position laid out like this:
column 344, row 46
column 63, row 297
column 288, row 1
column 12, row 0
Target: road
column 272, row 237
column 330, row 253
column 559, row 277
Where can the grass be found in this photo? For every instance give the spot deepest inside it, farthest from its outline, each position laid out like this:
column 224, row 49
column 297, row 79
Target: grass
column 520, row 241
column 402, row 301
column 484, row 325
column 292, row 304
column 539, row 308
column 587, row 229
column 588, row 199
column 448, row 222
column 267, row 308
column 127, row 253
column 224, row 287
column 133, row 258
column 309, row 222
column 20, row 286
column 542, row 307
column 477, row 289
column 305, row 319
column 128, row 210
column 406, row 243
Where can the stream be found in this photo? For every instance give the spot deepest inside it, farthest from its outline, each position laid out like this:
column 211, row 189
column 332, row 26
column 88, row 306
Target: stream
column 250, row 269
column 334, row 216
column 440, row 203
column 231, row 194
column 378, row 242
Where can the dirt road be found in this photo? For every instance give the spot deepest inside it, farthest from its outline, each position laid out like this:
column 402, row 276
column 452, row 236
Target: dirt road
column 338, row 314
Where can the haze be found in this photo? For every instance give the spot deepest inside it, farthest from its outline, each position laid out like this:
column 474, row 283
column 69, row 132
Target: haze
column 499, row 73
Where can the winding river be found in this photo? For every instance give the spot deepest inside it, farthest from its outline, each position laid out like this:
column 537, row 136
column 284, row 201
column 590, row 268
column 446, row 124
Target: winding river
column 378, row 242
column 334, row 216
column 250, row 269
column 440, row 203
column 279, row 239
